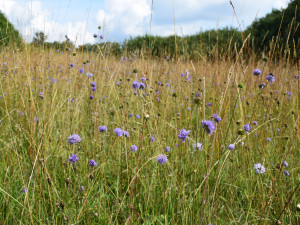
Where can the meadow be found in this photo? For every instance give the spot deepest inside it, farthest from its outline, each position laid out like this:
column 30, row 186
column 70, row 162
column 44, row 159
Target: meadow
column 90, row 138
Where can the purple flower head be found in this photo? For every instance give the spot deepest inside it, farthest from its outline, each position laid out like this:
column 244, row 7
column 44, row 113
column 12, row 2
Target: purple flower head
column 135, row 85
column 259, row 168
column 286, row 173
column 21, row 113
column 270, row 78
column 261, row 86
column 231, row 147
column 92, row 163
column 183, row 134
column 208, row 126
column 143, row 79
column 296, row 76
column 256, row 72
column 92, row 96
column 254, row 122
column 118, row 131
column 138, row 116
column 198, row 95
column 24, row 190
column 81, row 71
column 162, row 159
column 269, row 139
column 81, row 189
column 93, row 84
column 102, row 128
column 94, row 89
column 74, row 139
column 285, row 164
column 73, row 158
column 142, row 86
column 198, row 146
column 101, row 37
column 89, row 74
column 133, row 148
column 72, row 65
column 247, row 127
column 217, row 118
column 130, row 115
column 118, row 83
column 167, row 149
column 209, row 104
column 72, row 99
column 125, row 133
column 189, row 108
column 152, row 138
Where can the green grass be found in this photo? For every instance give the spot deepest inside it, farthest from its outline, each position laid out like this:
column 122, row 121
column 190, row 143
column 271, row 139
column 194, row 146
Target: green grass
column 132, row 187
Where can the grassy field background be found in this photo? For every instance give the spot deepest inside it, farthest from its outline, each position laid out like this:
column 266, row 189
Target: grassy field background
column 46, row 97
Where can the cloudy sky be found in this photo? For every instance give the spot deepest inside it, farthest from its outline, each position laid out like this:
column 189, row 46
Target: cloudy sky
column 121, row 19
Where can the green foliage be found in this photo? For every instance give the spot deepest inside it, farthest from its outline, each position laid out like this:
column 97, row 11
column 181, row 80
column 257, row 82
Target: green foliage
column 8, row 34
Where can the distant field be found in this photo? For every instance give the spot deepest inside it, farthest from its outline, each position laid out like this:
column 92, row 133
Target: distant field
column 95, row 139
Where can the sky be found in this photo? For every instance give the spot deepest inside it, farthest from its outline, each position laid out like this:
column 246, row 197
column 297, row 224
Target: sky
column 122, row 19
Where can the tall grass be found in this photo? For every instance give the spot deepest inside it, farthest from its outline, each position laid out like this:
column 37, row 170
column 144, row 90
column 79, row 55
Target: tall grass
column 216, row 185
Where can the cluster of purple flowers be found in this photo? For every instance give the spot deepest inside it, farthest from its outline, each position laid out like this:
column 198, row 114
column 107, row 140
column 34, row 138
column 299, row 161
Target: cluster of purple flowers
column 247, row 127
column 270, row 78
column 216, row 117
column 208, row 126
column 256, row 72
column 102, row 128
column 183, row 134
column 93, row 84
column 138, row 85
column 259, row 168
column 162, row 159
column 74, row 139
column 119, row 132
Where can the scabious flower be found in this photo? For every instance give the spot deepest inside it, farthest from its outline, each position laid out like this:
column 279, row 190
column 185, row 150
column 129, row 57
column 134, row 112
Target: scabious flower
column 198, row 146
column 152, row 138
column 138, row 116
column 256, row 72
column 231, row 147
column 285, row 164
column 81, row 71
column 102, row 128
column 254, row 122
column 209, row 104
column 259, row 168
column 143, row 79
column 89, row 74
column 125, row 133
column 133, row 148
column 167, row 149
column 296, row 76
column 92, row 96
column 92, row 163
column 73, row 158
column 208, row 126
column 247, row 127
column 24, row 190
column 261, row 86
column 270, row 78
column 286, row 173
column 269, row 139
column 217, row 118
column 94, row 89
column 101, row 36
column 183, row 134
column 135, row 85
column 142, row 86
column 130, row 115
column 93, row 84
column 162, row 159
column 74, row 139
column 118, row 131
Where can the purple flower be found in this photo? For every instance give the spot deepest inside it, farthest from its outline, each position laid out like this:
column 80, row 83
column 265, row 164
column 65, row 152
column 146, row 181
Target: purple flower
column 208, row 126
column 74, row 139
column 118, row 83
column 285, row 164
column 217, row 118
column 101, row 36
column 72, row 99
column 286, row 173
column 247, row 127
column 93, row 84
column 81, row 71
column 92, row 96
column 269, row 139
column 135, row 85
column 183, row 134
column 254, row 122
column 24, row 190
column 256, row 72
column 81, row 189
column 94, row 89
column 125, row 133
column 209, row 104
column 261, row 86
column 133, row 148
column 231, row 147
column 198, row 146
column 118, row 131
column 72, row 65
column 270, row 78
column 21, row 113
column 143, row 79
column 73, row 158
column 152, row 138
column 142, row 86
column 296, row 76
column 102, row 128
column 138, row 116
column 95, row 35
column 259, row 168
column 162, row 159
column 130, row 115
column 89, row 74
column 167, row 149
column 92, row 163
column 198, row 95
column 189, row 108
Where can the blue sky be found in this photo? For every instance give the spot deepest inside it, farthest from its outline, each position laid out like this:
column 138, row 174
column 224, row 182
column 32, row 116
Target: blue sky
column 122, row 19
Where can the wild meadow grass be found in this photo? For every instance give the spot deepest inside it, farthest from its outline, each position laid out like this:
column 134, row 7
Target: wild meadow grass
column 204, row 143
